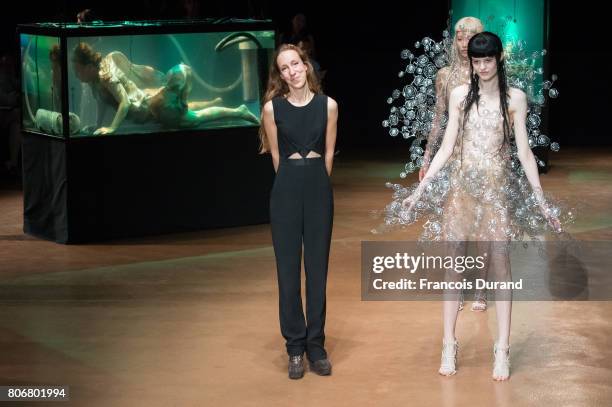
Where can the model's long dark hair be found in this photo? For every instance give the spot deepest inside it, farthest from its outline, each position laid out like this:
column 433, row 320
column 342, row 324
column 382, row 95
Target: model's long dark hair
column 482, row 45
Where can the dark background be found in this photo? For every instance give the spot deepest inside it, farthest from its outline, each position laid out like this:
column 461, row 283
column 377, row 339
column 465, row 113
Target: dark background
column 359, row 46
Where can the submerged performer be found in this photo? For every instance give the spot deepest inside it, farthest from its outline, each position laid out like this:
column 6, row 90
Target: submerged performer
column 473, row 192
column 142, row 94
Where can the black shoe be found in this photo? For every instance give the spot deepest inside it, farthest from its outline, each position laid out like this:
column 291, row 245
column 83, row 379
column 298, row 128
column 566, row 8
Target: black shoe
column 296, row 367
column 322, row 367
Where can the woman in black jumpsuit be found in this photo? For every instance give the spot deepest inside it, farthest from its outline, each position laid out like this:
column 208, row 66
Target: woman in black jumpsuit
column 299, row 130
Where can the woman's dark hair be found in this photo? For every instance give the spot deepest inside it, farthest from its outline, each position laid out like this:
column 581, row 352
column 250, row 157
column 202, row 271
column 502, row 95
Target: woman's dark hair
column 482, row 45
column 84, row 54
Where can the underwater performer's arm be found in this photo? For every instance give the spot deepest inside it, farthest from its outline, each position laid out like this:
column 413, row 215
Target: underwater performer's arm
column 518, row 108
column 271, row 132
column 330, row 134
column 121, row 97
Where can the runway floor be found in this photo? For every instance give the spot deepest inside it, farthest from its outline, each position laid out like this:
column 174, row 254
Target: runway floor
column 192, row 320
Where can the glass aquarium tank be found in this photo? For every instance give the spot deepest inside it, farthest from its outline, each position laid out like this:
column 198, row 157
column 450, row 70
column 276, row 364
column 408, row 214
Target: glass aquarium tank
column 123, row 78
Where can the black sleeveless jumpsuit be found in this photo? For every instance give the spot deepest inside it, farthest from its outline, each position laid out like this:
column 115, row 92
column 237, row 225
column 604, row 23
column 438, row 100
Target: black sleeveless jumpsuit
column 301, row 212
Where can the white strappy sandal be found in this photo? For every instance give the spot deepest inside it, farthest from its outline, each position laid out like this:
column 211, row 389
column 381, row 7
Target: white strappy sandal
column 449, row 358
column 479, row 305
column 501, row 364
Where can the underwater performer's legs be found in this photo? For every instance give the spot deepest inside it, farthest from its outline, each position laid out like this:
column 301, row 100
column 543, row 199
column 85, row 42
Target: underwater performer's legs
column 177, row 90
column 195, row 118
column 203, row 104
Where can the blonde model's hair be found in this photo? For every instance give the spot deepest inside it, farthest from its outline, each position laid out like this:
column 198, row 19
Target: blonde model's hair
column 470, row 25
